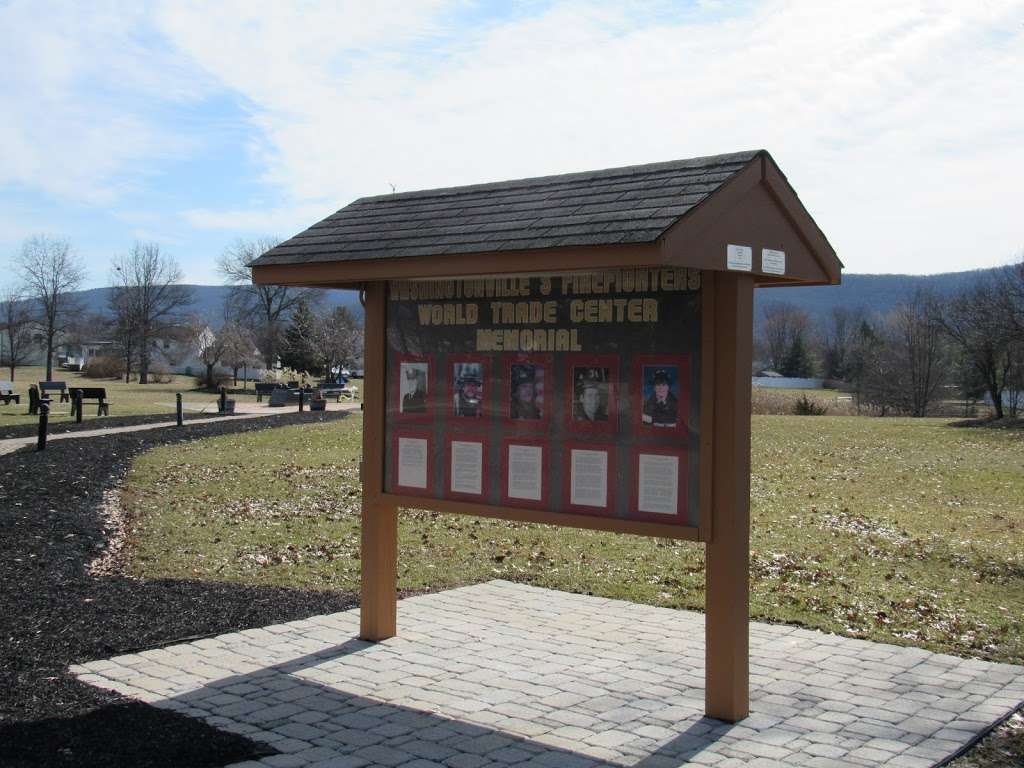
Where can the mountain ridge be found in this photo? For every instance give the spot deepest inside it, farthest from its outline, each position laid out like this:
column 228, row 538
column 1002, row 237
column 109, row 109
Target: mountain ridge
column 877, row 293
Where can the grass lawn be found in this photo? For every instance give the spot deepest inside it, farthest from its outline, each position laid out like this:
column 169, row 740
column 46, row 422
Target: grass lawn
column 132, row 399
column 898, row 530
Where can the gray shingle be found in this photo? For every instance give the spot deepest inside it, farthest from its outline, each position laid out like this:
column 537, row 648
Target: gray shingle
column 634, row 204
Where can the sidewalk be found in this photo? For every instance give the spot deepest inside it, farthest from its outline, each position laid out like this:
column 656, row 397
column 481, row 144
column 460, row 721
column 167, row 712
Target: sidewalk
column 244, row 411
column 503, row 673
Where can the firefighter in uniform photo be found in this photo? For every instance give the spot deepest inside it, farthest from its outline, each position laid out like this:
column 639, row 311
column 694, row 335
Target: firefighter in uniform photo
column 661, row 409
column 415, row 398
column 523, row 403
column 469, row 392
column 591, row 395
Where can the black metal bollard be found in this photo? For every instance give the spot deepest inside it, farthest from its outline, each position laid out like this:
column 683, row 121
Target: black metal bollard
column 44, row 418
column 302, row 395
column 177, row 406
column 76, row 405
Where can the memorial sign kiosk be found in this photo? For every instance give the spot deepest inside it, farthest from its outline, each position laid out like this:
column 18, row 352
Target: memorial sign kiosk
column 572, row 350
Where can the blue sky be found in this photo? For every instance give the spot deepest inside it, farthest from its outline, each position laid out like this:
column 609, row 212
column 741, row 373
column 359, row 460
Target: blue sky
column 193, row 124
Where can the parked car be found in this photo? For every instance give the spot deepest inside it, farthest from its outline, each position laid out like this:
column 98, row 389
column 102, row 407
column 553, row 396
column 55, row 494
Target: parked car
column 357, row 373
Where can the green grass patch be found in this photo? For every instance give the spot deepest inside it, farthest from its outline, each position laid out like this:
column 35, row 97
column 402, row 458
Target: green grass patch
column 897, row 530
column 131, row 399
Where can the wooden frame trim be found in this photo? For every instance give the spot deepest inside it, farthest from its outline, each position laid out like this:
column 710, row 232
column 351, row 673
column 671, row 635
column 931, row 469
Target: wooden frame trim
column 707, row 402
column 563, row 519
column 461, row 265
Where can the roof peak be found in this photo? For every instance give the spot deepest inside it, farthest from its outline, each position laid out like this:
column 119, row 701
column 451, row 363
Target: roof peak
column 604, row 173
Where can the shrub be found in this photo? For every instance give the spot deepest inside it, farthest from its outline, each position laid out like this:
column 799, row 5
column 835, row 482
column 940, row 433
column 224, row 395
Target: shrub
column 807, row 407
column 220, row 379
column 104, row 368
column 159, row 374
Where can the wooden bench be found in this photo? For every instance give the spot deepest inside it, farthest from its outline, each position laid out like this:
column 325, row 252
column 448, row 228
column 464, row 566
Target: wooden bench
column 265, row 388
column 99, row 394
column 332, row 390
column 7, row 393
column 55, row 386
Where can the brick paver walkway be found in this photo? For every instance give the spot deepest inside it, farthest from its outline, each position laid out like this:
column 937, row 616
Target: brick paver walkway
column 503, row 674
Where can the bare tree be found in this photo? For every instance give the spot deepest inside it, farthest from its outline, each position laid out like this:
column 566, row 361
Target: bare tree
column 147, row 298
column 908, row 363
column 51, row 271
column 239, row 349
column 266, row 306
column 17, row 335
column 976, row 321
column 338, row 338
column 209, row 347
column 839, row 342
column 784, row 327
column 1013, row 299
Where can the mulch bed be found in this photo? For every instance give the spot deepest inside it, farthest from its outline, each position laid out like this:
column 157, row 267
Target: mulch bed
column 56, row 614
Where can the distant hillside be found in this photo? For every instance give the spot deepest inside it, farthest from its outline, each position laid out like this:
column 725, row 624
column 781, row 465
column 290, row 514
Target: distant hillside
column 877, row 293
column 208, row 301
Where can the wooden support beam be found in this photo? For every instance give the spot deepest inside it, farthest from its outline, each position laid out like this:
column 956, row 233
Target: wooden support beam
column 378, row 605
column 727, row 670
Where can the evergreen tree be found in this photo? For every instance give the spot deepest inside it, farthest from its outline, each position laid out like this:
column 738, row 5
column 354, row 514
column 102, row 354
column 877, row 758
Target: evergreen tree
column 299, row 350
column 797, row 362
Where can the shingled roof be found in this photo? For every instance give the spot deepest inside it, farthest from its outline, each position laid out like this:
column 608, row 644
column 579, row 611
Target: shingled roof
column 631, row 205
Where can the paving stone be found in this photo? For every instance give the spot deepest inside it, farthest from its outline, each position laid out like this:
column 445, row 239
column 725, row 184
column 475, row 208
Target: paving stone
column 503, row 674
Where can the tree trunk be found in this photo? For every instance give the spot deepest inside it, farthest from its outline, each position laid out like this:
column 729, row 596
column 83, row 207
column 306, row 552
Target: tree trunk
column 209, row 374
column 996, row 394
column 49, row 356
column 234, row 375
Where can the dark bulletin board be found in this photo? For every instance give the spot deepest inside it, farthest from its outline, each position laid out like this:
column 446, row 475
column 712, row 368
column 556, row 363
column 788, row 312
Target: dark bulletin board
column 565, row 393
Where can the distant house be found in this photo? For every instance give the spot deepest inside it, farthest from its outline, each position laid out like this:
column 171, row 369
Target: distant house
column 75, row 357
column 36, row 352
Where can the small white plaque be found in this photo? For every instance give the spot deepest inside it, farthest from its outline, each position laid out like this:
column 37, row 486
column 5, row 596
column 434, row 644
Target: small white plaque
column 589, row 480
column 658, row 483
column 525, row 472
column 740, row 257
column 467, row 467
column 412, row 462
column 773, row 262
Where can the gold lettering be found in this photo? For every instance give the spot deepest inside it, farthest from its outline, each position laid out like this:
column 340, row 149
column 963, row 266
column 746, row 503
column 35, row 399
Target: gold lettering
column 650, row 311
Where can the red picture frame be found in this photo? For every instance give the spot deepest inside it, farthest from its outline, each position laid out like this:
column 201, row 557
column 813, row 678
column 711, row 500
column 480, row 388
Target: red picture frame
column 484, row 471
column 611, row 424
column 395, row 400
column 504, row 405
column 608, row 510
column 681, row 363
column 451, row 361
column 545, row 456
column 682, row 486
column 412, row 490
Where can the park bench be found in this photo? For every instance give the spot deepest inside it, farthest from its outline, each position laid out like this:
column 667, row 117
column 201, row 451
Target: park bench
column 7, row 393
column 99, row 394
column 265, row 388
column 337, row 391
column 55, row 386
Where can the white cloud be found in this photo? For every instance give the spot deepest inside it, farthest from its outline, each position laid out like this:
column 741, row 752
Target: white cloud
column 898, row 123
column 80, row 88
column 895, row 121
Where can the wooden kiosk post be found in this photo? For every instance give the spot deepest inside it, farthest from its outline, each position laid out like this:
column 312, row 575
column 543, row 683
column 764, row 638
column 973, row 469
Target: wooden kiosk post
column 572, row 350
